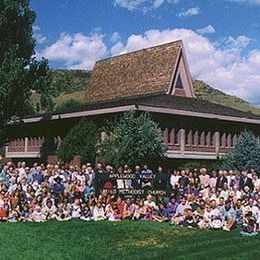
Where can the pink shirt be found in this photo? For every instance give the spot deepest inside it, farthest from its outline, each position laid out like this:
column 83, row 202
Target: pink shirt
column 212, row 182
column 204, row 179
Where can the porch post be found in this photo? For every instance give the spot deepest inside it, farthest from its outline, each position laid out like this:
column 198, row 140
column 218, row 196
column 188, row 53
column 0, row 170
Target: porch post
column 217, row 142
column 182, row 141
column 26, row 144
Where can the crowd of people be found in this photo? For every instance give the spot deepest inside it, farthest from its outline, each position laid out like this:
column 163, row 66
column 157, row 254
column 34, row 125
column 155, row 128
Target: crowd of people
column 193, row 198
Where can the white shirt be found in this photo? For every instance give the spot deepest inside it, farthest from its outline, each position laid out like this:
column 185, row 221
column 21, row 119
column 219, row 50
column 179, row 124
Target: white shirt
column 150, row 204
column 98, row 213
column 174, row 180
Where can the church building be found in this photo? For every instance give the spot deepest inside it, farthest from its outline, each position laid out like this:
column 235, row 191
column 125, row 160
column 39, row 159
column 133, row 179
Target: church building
column 156, row 80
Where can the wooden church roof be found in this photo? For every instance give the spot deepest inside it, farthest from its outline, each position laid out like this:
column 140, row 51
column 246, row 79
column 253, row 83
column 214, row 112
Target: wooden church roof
column 140, row 73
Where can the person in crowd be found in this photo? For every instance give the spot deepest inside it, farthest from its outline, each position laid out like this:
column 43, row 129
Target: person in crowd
column 192, row 198
column 183, row 205
column 146, row 180
column 38, row 214
column 161, row 180
column 204, row 177
column 129, row 208
column 86, row 213
column 38, row 175
column 188, row 219
column 183, row 180
column 149, row 202
column 162, row 214
column 172, row 206
column 174, row 179
column 50, row 210
column 98, row 212
column 221, row 180
column 228, row 215
column 140, row 210
column 249, row 225
column 246, row 181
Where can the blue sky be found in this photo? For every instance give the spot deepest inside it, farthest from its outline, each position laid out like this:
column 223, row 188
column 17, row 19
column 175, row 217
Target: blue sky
column 221, row 37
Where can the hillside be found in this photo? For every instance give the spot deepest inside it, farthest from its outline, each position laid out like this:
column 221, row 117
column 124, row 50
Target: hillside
column 66, row 85
column 71, row 84
column 205, row 92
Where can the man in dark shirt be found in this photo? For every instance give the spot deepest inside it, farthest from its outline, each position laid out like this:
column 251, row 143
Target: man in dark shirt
column 246, row 181
column 100, row 176
column 184, row 180
column 161, row 180
column 221, row 180
column 58, row 189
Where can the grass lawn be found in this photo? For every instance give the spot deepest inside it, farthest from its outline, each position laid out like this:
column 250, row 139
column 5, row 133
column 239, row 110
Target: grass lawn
column 122, row 240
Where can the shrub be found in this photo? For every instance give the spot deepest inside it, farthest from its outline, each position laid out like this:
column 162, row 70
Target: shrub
column 245, row 155
column 135, row 139
column 80, row 140
column 48, row 147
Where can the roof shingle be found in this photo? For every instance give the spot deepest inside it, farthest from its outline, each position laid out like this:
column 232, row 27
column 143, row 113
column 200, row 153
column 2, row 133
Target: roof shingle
column 143, row 72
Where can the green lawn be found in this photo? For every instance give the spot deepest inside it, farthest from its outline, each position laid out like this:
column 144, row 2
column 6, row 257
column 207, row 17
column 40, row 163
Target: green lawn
column 122, row 240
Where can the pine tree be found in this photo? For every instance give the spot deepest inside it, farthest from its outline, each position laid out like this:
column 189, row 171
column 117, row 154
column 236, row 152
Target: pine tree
column 80, row 140
column 245, row 155
column 134, row 139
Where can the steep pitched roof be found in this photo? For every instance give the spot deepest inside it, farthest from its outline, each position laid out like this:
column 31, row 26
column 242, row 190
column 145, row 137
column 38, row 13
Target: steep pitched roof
column 148, row 71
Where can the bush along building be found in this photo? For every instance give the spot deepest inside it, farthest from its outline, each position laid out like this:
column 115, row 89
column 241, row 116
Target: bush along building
column 156, row 80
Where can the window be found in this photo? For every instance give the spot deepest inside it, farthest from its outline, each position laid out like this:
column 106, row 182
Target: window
column 179, row 84
column 176, row 136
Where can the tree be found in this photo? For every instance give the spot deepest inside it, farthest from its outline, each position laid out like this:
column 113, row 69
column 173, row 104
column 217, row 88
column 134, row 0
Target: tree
column 245, row 155
column 19, row 70
column 67, row 105
column 134, row 139
column 81, row 140
column 48, row 147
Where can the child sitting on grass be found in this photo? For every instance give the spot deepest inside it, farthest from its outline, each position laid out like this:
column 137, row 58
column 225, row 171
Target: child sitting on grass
column 86, row 214
column 188, row 219
column 162, row 214
column 63, row 212
column 98, row 212
column 38, row 215
column 140, row 210
column 249, row 225
column 112, row 212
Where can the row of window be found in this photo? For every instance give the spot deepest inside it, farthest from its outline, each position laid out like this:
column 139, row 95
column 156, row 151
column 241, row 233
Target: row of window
column 198, row 138
column 34, row 141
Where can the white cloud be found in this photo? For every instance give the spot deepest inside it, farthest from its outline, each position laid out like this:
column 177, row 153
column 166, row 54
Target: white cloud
column 143, row 5
column 190, row 12
column 205, row 30
column 115, row 37
column 77, row 51
column 220, row 65
column 240, row 42
column 38, row 36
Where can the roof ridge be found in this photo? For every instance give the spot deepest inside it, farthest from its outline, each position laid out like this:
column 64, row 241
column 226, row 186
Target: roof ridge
column 140, row 50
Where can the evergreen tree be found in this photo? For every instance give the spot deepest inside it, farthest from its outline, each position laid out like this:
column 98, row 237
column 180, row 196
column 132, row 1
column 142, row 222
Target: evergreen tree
column 245, row 155
column 134, row 139
column 48, row 147
column 81, row 140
